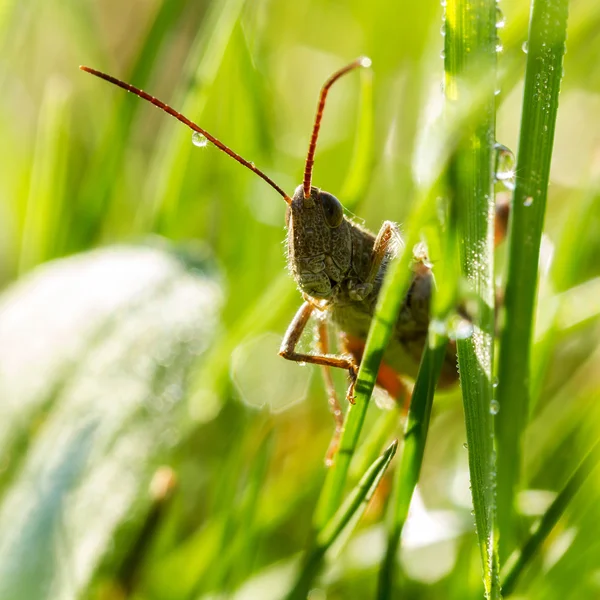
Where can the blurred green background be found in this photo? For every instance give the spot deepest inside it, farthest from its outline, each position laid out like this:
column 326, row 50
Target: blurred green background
column 153, row 342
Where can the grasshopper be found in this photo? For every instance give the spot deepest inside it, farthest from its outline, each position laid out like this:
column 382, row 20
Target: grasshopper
column 339, row 267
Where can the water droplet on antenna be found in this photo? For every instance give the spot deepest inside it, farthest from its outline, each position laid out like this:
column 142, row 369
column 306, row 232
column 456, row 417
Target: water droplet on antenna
column 199, row 140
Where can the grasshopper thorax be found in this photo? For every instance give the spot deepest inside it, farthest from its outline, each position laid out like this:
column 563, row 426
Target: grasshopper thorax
column 319, row 242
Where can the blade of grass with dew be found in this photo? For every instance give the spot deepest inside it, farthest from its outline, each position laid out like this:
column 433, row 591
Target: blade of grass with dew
column 470, row 52
column 515, row 567
column 48, row 178
column 342, row 523
column 546, row 47
column 407, row 474
column 432, row 155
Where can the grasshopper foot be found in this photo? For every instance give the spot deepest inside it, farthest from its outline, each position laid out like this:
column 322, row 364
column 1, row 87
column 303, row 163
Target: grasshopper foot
column 353, row 374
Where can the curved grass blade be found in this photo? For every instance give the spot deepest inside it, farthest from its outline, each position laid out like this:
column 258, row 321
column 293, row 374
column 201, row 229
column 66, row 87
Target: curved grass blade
column 521, row 559
column 546, row 47
column 393, row 292
column 407, row 475
column 470, row 58
column 343, row 522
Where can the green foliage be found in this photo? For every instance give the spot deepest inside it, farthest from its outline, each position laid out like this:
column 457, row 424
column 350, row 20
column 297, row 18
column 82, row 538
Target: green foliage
column 134, row 462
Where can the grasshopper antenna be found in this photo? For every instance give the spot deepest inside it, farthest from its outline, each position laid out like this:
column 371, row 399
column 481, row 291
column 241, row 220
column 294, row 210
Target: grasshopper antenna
column 363, row 61
column 165, row 107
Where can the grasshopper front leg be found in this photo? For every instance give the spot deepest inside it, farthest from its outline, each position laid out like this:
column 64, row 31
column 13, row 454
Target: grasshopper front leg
column 290, row 341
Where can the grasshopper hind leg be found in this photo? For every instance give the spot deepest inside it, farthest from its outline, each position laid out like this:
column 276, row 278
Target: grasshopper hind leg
column 322, row 343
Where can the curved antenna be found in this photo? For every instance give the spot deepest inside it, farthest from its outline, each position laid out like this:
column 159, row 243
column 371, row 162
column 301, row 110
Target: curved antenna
column 363, row 61
column 160, row 104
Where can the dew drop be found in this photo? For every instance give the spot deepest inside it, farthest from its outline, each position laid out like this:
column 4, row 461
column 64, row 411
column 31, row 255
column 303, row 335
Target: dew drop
column 528, row 201
column 199, row 140
column 500, row 20
column 524, row 47
column 505, row 166
column 499, row 47
column 443, row 29
column 301, row 363
column 459, row 328
column 494, row 407
column 438, row 326
column 443, row 54
column 495, row 382
column 465, row 446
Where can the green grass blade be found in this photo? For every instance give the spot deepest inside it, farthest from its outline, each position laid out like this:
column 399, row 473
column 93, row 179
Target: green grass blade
column 430, row 161
column 388, row 304
column 173, row 153
column 48, row 178
column 407, row 475
column 98, row 195
column 546, row 47
column 521, row 559
column 342, row 523
column 470, row 53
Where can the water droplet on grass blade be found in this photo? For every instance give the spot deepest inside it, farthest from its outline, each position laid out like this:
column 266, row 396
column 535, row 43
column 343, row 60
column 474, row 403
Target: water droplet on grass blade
column 528, row 201
column 524, row 47
column 500, row 20
column 505, row 166
column 494, row 407
column 459, row 328
column 199, row 140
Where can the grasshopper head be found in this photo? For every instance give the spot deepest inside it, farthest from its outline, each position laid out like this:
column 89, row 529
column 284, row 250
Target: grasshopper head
column 319, row 242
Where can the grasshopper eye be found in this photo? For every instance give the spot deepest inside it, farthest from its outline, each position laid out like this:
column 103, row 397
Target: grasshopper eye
column 332, row 207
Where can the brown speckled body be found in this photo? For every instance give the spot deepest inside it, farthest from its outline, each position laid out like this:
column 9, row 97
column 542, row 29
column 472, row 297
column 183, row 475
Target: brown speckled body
column 332, row 266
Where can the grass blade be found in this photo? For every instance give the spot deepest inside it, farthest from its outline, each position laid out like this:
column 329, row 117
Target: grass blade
column 342, row 523
column 546, row 47
column 470, row 53
column 388, row 304
column 172, row 156
column 48, row 179
column 519, row 562
column 415, row 435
